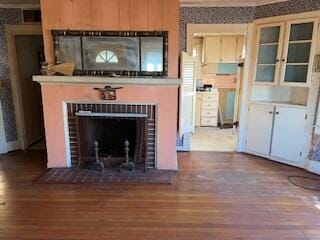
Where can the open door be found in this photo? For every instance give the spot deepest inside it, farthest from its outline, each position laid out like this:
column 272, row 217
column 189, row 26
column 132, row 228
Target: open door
column 187, row 94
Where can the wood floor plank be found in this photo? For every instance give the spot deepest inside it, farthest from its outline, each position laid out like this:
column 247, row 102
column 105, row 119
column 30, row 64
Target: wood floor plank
column 214, row 196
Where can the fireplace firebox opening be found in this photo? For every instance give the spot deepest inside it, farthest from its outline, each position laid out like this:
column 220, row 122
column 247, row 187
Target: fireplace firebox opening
column 114, row 143
column 112, row 136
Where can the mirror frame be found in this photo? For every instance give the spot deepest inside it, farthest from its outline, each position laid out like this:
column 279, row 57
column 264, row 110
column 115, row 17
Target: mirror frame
column 81, row 72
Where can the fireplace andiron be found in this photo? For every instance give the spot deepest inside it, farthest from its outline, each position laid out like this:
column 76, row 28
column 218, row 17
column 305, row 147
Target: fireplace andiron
column 127, row 165
column 98, row 164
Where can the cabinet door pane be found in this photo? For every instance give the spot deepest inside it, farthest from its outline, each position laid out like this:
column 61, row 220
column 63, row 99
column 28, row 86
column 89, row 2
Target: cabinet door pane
column 270, row 35
column 265, row 73
column 267, row 54
column 296, row 73
column 299, row 52
column 301, row 31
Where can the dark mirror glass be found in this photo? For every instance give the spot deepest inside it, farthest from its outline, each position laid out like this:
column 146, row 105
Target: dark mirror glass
column 152, row 54
column 70, row 50
column 111, row 53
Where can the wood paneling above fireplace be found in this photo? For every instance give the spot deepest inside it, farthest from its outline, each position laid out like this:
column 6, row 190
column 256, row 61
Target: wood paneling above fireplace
column 161, row 15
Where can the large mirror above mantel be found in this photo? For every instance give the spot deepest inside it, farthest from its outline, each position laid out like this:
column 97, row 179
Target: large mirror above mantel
column 113, row 53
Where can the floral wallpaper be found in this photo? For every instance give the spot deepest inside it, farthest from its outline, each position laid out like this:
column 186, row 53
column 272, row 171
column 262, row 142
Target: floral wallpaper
column 7, row 16
column 216, row 15
column 314, row 153
column 285, row 8
column 212, row 15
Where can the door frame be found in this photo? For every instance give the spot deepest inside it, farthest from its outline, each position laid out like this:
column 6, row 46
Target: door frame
column 11, row 32
column 234, row 29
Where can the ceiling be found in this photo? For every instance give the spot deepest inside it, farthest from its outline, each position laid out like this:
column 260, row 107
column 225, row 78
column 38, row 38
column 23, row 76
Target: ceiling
column 218, row 3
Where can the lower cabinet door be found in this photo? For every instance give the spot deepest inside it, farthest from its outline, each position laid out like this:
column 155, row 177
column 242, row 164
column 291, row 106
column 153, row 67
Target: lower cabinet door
column 260, row 128
column 288, row 134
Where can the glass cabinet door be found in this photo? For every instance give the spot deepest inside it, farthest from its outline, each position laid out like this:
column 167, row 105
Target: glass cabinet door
column 268, row 54
column 297, row 61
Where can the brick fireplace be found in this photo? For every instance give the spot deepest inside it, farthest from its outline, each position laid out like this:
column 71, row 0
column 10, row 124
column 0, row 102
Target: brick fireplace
column 153, row 99
column 111, row 124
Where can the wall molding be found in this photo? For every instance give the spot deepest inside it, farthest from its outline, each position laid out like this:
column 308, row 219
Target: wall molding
column 11, row 32
column 222, row 3
column 18, row 6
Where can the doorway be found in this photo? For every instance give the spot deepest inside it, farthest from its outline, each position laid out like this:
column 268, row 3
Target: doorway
column 26, row 52
column 219, row 51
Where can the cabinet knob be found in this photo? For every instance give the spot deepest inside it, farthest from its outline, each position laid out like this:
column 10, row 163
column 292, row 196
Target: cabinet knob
column 283, row 60
column 277, row 113
column 270, row 112
column 278, row 60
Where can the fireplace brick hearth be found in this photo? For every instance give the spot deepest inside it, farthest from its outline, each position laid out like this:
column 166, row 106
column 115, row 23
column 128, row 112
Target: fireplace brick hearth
column 109, row 108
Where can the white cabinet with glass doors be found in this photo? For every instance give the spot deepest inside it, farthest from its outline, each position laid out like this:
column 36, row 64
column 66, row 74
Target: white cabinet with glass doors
column 284, row 53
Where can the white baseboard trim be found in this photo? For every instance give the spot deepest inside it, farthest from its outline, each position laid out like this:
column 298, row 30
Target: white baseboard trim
column 13, row 146
column 3, row 146
column 313, row 166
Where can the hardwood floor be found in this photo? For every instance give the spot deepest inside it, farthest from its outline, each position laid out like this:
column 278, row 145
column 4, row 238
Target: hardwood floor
column 215, row 196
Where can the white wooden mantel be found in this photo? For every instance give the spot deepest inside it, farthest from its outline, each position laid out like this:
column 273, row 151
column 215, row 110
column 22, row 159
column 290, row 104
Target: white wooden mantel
column 60, row 80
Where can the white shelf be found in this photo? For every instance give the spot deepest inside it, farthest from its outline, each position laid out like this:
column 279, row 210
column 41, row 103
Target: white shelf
column 60, row 80
column 279, row 103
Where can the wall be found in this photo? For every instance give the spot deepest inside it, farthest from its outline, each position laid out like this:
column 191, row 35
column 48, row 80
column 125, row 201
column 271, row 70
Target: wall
column 218, row 15
column 7, row 16
column 285, row 8
column 212, row 15
column 113, row 15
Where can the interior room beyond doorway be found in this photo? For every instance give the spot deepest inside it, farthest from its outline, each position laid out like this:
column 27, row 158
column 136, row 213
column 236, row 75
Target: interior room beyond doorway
column 219, row 57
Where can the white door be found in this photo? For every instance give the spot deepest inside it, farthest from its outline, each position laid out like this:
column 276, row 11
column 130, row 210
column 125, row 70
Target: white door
column 260, row 128
column 187, row 94
column 288, row 134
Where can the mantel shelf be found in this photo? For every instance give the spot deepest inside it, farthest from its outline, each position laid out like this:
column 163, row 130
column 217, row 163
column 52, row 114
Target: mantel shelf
column 60, row 80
